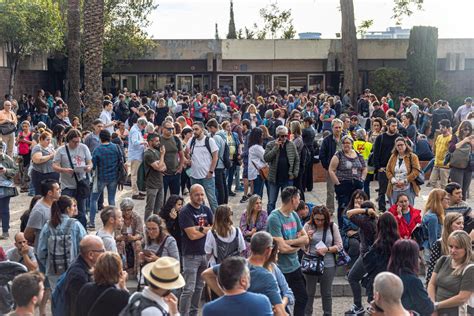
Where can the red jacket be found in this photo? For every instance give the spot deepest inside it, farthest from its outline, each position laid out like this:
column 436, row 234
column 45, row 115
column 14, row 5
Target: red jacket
column 405, row 229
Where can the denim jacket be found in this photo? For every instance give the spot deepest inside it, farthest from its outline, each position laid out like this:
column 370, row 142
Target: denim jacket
column 285, row 290
column 431, row 229
column 77, row 233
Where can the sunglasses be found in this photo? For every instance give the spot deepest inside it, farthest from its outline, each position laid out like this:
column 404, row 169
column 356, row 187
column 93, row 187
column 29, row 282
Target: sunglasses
column 170, row 129
column 282, row 136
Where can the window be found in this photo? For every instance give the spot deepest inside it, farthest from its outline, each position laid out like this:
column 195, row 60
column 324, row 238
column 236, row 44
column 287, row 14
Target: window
column 280, row 83
column 316, row 82
column 184, row 82
column 226, row 83
column 112, row 84
column 165, row 82
column 243, row 82
column 262, row 83
column 298, row 82
column 147, row 83
column 129, row 81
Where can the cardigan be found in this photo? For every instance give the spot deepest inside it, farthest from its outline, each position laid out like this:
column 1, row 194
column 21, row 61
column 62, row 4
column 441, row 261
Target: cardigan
column 413, row 168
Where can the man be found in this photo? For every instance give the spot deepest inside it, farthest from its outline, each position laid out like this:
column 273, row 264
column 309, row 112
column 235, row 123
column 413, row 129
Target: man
column 413, row 108
column 282, row 157
column 234, row 280
column 329, row 146
column 382, row 150
column 346, row 99
column 133, row 106
column 161, row 276
column 456, row 204
column 181, row 120
column 73, row 162
column 106, row 159
column 444, row 112
column 464, row 110
column 285, row 227
column 440, row 173
column 92, row 141
column 262, row 280
column 8, row 116
column 196, row 107
column 80, row 271
column 220, row 172
column 136, row 148
column 121, row 108
column 388, row 290
column 378, row 112
column 172, row 104
column 27, row 291
column 23, row 253
column 154, row 168
column 59, row 119
column 203, row 153
column 174, row 167
column 246, row 127
column 41, row 212
column 106, row 116
column 195, row 220
column 112, row 220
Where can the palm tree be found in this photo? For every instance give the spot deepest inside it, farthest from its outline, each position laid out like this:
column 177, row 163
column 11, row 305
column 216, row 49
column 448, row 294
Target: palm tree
column 74, row 61
column 93, row 52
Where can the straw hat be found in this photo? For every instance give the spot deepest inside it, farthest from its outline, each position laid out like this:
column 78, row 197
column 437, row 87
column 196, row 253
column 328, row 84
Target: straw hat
column 164, row 273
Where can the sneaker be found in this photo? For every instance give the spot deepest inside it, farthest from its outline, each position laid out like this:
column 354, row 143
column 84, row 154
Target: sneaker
column 244, row 199
column 231, row 193
column 138, row 197
column 240, row 189
column 90, row 226
column 355, row 311
column 4, row 236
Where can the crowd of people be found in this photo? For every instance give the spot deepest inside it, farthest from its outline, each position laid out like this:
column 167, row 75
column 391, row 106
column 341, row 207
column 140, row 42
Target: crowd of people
column 187, row 154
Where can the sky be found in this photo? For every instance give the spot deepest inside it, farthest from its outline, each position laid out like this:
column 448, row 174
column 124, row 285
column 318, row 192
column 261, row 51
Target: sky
column 195, row 19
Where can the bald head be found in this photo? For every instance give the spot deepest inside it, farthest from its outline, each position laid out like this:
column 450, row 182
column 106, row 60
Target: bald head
column 7, row 103
column 389, row 288
column 196, row 194
column 90, row 242
column 196, row 188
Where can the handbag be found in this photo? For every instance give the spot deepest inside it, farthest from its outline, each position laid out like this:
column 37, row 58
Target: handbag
column 460, row 157
column 263, row 172
column 83, row 187
column 420, row 179
column 313, row 264
column 7, row 128
column 122, row 172
column 341, row 257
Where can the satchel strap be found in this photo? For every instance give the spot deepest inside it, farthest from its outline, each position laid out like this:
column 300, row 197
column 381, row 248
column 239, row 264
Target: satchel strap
column 72, row 165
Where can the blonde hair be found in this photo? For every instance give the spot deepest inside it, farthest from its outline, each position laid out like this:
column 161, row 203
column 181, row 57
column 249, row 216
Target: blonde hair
column 464, row 241
column 434, row 203
column 250, row 207
column 252, row 106
column 295, row 128
column 449, row 220
column 223, row 221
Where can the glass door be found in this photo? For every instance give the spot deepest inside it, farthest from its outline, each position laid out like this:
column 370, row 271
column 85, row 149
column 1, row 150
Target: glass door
column 129, row 81
column 316, row 82
column 225, row 83
column 243, row 82
column 184, row 82
column 280, row 83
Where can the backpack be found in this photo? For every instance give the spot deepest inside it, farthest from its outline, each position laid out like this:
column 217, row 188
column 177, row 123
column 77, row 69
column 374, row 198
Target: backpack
column 58, row 297
column 141, row 184
column 206, row 142
column 59, row 248
column 226, row 155
column 138, row 303
column 226, row 249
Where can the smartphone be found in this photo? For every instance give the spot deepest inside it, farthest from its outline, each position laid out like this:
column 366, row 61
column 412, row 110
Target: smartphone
column 147, row 252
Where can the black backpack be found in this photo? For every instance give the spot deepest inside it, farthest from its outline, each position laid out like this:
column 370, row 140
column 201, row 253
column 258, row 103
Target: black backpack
column 138, row 303
column 206, row 142
column 226, row 156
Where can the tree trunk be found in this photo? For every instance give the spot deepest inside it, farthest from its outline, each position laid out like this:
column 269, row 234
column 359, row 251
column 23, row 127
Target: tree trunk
column 349, row 50
column 74, row 62
column 93, row 51
column 13, row 68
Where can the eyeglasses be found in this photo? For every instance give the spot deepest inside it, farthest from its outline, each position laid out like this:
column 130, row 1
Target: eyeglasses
column 319, row 219
column 152, row 229
column 98, row 250
column 170, row 129
column 282, row 136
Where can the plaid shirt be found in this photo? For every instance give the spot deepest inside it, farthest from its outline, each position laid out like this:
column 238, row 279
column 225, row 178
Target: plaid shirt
column 106, row 159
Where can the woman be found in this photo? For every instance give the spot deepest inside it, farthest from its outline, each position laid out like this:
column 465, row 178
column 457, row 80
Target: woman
column 320, row 229
column 129, row 236
column 58, row 136
column 42, row 156
column 350, row 231
column 451, row 284
column 408, row 122
column 376, row 129
column 108, row 294
column 364, row 148
column 390, row 101
column 426, row 113
column 76, row 123
column 433, row 218
column 8, row 170
column 253, row 116
column 408, row 217
column 60, row 224
column 452, row 222
column 186, row 135
column 253, row 220
column 402, row 169
column 170, row 214
column 122, row 132
column 265, row 135
column 223, row 240
column 158, row 243
column 26, row 214
column 462, row 142
column 24, row 142
column 365, row 218
column 404, row 262
column 161, row 112
column 303, row 154
column 348, row 171
column 256, row 161
column 287, row 296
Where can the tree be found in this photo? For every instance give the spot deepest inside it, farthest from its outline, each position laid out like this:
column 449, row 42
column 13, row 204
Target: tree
column 93, row 52
column 216, row 35
column 422, row 60
column 232, row 33
column 384, row 80
column 363, row 27
column 73, row 83
column 29, row 27
column 403, row 8
column 278, row 23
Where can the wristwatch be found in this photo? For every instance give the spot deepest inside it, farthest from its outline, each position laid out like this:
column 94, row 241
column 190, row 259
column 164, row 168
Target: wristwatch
column 201, row 229
column 366, row 211
column 211, row 171
column 436, row 304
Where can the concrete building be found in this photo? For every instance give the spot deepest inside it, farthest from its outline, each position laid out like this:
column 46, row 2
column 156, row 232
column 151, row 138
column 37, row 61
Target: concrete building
column 390, row 33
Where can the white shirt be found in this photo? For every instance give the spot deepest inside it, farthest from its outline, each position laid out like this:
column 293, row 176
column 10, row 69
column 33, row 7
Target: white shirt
column 154, row 311
column 210, row 247
column 255, row 157
column 106, row 118
column 201, row 159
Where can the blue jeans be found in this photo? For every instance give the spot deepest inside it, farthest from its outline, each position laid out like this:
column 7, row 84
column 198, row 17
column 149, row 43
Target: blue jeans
column 230, row 176
column 258, row 186
column 5, row 210
column 209, row 186
column 111, row 189
column 172, row 182
column 274, row 188
column 429, row 166
column 81, row 205
column 193, row 266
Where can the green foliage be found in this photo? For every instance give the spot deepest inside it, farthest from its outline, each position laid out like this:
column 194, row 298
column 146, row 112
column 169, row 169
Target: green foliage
column 216, row 35
column 31, row 26
column 232, row 33
column 124, row 35
column 384, row 80
column 422, row 61
column 443, row 91
column 278, row 23
column 363, row 27
column 403, row 8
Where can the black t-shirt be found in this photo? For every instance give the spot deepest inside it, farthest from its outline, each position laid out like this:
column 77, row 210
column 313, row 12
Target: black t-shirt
column 188, row 217
column 283, row 165
column 111, row 303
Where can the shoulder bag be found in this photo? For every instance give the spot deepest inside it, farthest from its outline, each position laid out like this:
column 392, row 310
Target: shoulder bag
column 83, row 188
column 420, row 179
column 460, row 157
column 263, row 172
column 341, row 257
column 313, row 264
column 122, row 175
